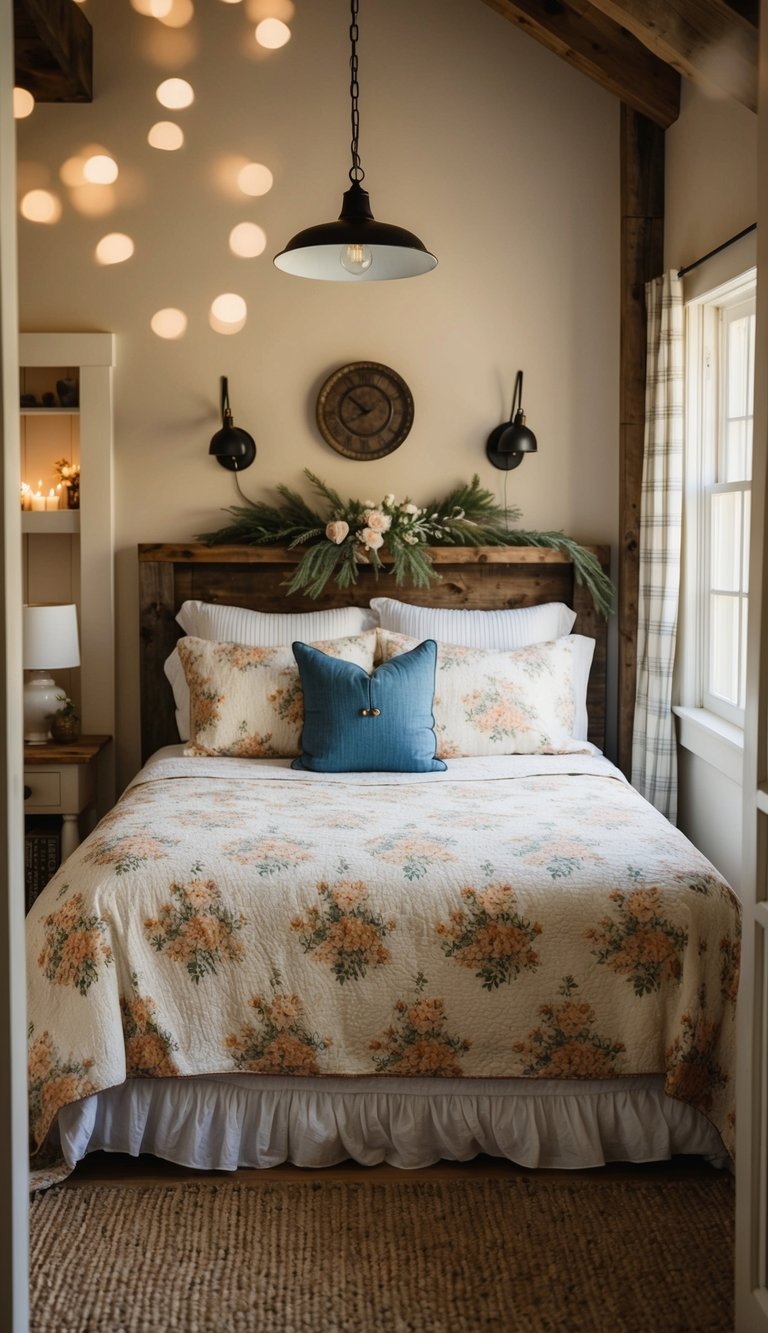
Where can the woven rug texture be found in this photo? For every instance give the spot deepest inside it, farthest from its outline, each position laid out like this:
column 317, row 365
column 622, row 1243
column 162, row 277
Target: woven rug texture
column 529, row 1253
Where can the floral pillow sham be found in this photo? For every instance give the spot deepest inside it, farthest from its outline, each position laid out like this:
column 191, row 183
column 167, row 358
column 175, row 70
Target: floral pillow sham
column 247, row 701
column 258, row 629
column 530, row 701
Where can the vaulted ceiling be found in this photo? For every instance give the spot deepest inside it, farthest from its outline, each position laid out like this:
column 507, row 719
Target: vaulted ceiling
column 637, row 49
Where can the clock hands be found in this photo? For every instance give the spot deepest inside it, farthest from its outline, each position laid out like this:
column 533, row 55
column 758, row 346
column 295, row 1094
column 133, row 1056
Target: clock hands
column 361, row 410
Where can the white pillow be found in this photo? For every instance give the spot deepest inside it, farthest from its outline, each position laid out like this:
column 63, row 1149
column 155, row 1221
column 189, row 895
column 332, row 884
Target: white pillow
column 531, row 700
column 257, row 629
column 499, row 630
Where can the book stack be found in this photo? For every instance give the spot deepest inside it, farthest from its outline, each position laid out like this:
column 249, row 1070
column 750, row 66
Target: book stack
column 42, row 853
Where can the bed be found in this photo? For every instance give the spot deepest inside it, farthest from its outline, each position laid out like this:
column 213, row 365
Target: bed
column 248, row 963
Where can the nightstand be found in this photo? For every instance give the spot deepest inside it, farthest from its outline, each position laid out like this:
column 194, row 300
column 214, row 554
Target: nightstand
column 60, row 780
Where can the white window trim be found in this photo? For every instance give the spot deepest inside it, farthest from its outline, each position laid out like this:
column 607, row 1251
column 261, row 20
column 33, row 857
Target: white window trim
column 702, row 732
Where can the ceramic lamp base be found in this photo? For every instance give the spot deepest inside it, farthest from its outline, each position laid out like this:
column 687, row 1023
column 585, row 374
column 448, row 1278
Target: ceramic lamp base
column 42, row 697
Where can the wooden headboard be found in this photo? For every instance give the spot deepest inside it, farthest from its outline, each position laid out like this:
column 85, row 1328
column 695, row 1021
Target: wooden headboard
column 485, row 577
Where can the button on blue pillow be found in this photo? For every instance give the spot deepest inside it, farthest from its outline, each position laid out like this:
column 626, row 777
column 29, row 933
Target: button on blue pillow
column 356, row 723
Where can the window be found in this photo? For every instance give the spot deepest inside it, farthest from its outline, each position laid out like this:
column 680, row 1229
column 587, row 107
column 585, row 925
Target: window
column 721, row 355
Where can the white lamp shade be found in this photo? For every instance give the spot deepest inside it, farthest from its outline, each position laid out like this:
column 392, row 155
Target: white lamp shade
column 50, row 637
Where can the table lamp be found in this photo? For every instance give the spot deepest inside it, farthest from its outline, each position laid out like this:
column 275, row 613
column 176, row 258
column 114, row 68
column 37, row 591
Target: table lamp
column 50, row 641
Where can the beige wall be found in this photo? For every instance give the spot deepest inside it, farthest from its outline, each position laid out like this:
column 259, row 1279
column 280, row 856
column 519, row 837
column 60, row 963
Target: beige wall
column 711, row 175
column 498, row 155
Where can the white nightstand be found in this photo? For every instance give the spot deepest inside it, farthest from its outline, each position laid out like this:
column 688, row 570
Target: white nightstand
column 60, row 780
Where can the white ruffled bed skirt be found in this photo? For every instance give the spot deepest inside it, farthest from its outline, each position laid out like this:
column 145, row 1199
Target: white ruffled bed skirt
column 224, row 1122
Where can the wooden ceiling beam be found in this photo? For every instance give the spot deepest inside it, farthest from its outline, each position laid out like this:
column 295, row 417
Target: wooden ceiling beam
column 53, row 49
column 708, row 41
column 592, row 43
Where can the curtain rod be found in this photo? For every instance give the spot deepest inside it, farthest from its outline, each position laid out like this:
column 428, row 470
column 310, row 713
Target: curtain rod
column 681, row 272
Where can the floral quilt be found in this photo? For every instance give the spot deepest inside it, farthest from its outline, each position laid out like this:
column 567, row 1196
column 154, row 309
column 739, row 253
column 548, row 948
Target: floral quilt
column 518, row 917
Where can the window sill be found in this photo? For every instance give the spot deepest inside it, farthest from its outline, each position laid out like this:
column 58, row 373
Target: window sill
column 710, row 738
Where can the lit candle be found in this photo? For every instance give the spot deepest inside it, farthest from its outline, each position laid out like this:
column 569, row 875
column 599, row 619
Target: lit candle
column 51, row 500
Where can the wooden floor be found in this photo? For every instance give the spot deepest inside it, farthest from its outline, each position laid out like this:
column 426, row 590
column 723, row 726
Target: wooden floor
column 104, row 1167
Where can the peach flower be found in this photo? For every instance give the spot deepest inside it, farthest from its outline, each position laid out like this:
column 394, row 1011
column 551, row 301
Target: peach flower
column 336, row 531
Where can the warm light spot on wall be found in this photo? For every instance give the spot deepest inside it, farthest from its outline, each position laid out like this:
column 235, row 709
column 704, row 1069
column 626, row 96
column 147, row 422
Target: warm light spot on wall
column 93, row 201
column 166, row 135
column 255, row 179
column 41, row 206
column 270, row 9
column 228, row 313
column 100, row 169
column 114, row 248
column 272, row 34
column 169, row 323
column 175, row 94
column 71, row 172
column 23, row 103
column 179, row 15
column 247, row 240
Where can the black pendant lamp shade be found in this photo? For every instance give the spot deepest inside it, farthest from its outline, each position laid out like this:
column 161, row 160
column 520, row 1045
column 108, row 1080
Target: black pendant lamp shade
column 234, row 448
column 508, row 444
column 355, row 248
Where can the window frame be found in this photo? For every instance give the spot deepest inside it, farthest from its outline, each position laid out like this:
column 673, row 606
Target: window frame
column 706, row 315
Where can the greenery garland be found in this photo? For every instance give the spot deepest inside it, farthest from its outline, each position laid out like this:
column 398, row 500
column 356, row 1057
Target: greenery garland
column 353, row 533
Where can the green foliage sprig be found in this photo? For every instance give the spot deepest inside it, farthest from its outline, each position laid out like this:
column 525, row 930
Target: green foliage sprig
column 353, row 533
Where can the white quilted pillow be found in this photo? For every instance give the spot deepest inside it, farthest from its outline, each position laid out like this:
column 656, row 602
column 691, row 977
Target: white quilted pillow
column 500, row 630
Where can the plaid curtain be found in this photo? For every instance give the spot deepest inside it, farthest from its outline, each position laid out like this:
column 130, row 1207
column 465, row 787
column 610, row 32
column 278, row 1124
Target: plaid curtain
column 654, row 747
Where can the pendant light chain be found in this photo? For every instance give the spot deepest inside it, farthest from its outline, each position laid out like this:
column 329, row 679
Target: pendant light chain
column 356, row 172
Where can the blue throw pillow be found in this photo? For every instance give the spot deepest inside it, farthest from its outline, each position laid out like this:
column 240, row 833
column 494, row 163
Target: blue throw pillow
column 356, row 723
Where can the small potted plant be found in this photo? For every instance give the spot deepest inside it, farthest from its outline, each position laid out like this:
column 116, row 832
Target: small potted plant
column 65, row 722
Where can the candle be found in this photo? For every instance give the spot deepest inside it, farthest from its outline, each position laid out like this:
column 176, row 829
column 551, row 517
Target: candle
column 51, row 500
column 37, row 500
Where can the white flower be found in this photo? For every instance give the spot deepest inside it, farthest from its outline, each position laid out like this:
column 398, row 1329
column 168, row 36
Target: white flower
column 389, row 500
column 410, row 509
column 336, row 531
column 371, row 539
column 376, row 521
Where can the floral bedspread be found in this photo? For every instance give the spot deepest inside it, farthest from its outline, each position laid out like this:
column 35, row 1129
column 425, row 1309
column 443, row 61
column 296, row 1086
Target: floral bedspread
column 525, row 917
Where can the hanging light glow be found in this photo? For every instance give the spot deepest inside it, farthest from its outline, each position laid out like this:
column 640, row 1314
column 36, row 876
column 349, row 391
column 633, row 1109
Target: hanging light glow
column 272, row 34
column 23, row 103
column 175, row 94
column 166, row 136
column 169, row 323
column 114, row 248
column 355, row 248
column 41, row 206
column 100, row 169
column 247, row 240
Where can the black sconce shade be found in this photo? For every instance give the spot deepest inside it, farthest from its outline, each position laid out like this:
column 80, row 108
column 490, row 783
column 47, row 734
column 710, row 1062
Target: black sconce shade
column 234, row 448
column 508, row 444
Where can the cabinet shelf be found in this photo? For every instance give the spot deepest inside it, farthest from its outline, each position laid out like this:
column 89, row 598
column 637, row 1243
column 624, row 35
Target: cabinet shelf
column 52, row 520
column 49, row 411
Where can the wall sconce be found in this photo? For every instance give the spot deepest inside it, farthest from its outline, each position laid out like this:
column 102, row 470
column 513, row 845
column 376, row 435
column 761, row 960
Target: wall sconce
column 508, row 444
column 234, row 448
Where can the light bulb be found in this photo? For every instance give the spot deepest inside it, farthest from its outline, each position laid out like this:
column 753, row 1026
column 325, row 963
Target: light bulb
column 355, row 258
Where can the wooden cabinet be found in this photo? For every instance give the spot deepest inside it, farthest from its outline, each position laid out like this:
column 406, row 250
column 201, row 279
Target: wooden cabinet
column 68, row 553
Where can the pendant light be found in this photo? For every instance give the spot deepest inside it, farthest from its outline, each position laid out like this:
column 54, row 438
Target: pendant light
column 355, row 248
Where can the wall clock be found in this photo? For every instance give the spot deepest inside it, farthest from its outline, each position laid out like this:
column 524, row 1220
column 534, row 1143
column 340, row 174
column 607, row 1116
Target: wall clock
column 364, row 410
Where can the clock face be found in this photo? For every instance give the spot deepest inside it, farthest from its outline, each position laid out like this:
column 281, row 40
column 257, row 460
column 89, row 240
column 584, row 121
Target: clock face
column 364, row 410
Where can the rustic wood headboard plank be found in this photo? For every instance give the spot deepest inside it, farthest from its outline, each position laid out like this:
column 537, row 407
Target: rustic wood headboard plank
column 485, row 577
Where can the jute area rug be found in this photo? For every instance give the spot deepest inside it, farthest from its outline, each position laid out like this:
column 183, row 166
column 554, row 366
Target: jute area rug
column 446, row 1253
